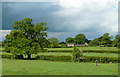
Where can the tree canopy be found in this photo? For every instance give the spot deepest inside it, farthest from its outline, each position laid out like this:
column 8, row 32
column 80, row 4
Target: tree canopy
column 116, row 41
column 94, row 42
column 54, row 42
column 69, row 40
column 79, row 39
column 26, row 38
column 106, row 39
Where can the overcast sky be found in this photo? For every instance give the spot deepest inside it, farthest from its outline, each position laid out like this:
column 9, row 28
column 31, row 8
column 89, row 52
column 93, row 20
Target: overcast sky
column 65, row 18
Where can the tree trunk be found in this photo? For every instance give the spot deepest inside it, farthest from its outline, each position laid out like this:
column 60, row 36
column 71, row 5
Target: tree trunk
column 29, row 56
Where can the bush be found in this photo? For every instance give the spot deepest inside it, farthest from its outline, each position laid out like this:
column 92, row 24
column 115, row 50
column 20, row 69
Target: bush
column 18, row 57
column 60, row 50
column 55, row 58
column 7, row 56
column 77, row 54
column 93, row 51
column 44, row 50
column 102, row 51
column 101, row 59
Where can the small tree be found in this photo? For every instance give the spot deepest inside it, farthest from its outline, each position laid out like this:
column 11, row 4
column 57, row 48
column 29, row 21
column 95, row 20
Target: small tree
column 79, row 39
column 77, row 54
column 116, row 41
column 106, row 39
column 94, row 42
column 54, row 42
column 26, row 38
column 69, row 40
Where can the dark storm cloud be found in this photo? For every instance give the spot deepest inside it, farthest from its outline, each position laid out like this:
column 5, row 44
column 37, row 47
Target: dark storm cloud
column 38, row 11
column 65, row 18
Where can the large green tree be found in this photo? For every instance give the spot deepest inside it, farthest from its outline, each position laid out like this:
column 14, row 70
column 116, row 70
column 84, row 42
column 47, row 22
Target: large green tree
column 79, row 39
column 54, row 42
column 26, row 38
column 116, row 41
column 94, row 42
column 106, row 39
column 69, row 40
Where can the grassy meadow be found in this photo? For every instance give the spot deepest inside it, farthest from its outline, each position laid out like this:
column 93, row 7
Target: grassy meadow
column 40, row 67
column 43, row 67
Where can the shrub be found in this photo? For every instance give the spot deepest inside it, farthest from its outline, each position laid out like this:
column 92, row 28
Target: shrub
column 77, row 54
column 93, row 51
column 18, row 57
column 60, row 50
column 54, row 58
column 44, row 50
column 101, row 59
column 102, row 51
column 7, row 56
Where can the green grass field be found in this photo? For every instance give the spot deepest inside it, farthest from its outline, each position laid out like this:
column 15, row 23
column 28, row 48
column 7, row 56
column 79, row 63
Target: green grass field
column 39, row 67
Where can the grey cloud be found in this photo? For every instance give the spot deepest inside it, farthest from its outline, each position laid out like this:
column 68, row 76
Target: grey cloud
column 91, row 20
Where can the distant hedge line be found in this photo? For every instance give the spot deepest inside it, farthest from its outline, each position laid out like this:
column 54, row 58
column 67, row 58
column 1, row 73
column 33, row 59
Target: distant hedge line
column 93, row 51
column 55, row 58
column 84, row 51
column 70, row 58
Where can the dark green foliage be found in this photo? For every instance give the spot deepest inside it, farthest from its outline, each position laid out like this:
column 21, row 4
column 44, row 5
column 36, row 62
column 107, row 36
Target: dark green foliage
column 79, row 39
column 63, row 46
column 7, row 56
column 60, row 50
column 116, row 41
column 69, row 40
column 93, row 51
column 106, row 39
column 77, row 54
column 18, row 57
column 101, row 51
column 87, row 41
column 55, row 58
column 94, row 42
column 62, row 43
column 26, row 38
column 54, row 42
column 101, row 59
column 44, row 50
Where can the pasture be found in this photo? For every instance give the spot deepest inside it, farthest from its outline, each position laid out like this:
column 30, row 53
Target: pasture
column 40, row 67
column 43, row 67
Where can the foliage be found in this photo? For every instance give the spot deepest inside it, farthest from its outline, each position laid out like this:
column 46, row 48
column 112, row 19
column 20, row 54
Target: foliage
column 84, row 50
column 54, row 42
column 26, row 38
column 62, row 43
column 63, row 46
column 7, row 56
column 106, row 39
column 79, row 39
column 94, row 42
column 69, row 40
column 55, row 58
column 69, row 58
column 116, row 41
column 100, row 59
column 87, row 41
column 77, row 54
